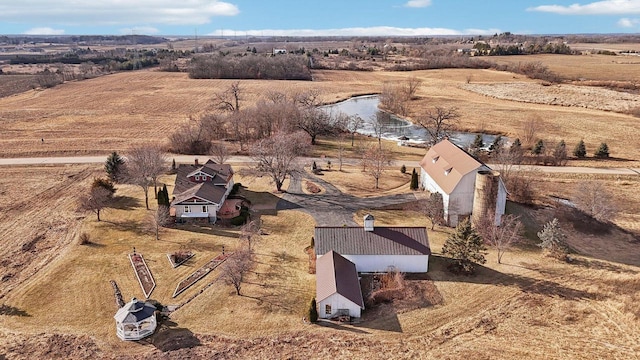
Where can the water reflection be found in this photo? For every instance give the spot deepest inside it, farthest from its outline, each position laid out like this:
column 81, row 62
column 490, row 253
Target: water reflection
column 394, row 128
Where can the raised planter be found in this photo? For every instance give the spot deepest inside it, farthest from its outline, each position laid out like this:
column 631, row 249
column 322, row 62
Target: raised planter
column 200, row 273
column 142, row 273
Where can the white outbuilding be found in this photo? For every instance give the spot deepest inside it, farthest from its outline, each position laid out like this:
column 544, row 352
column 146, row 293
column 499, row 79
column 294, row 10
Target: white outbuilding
column 376, row 249
column 466, row 184
column 135, row 320
column 337, row 287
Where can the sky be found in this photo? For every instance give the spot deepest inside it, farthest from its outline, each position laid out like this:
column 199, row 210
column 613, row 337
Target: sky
column 317, row 17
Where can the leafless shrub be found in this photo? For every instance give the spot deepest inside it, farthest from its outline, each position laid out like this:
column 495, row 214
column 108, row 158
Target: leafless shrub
column 530, row 129
column 84, row 239
column 500, row 236
column 391, row 286
column 234, row 269
column 595, row 200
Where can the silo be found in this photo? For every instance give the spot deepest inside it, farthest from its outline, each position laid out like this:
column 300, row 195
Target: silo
column 485, row 195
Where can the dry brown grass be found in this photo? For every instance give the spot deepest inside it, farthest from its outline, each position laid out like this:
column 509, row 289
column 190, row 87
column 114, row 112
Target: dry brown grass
column 352, row 180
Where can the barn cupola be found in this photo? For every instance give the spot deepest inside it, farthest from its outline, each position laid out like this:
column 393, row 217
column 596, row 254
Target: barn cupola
column 368, row 222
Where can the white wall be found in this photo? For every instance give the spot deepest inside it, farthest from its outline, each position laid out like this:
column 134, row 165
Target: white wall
column 196, row 210
column 337, row 301
column 381, row 263
column 501, row 202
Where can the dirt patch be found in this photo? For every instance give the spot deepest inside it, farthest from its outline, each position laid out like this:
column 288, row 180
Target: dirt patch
column 312, row 188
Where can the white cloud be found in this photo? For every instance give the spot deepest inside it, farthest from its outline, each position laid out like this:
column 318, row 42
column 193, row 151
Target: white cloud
column 606, row 7
column 628, row 23
column 140, row 30
column 116, row 12
column 44, row 31
column 358, row 31
column 418, row 3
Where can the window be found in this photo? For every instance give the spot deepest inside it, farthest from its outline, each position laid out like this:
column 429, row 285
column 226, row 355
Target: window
column 204, row 208
column 197, row 177
column 186, row 209
column 446, row 172
column 327, row 309
column 436, row 159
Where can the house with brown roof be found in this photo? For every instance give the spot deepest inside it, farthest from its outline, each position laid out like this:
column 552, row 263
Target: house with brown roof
column 200, row 191
column 376, row 249
column 466, row 184
column 337, row 287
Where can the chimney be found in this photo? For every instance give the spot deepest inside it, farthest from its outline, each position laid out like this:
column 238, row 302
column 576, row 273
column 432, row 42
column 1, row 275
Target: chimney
column 196, row 161
column 368, row 222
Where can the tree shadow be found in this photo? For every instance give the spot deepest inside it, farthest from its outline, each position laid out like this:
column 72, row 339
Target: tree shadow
column 129, row 226
column 125, row 203
column 485, row 275
column 12, row 311
column 209, row 230
column 601, row 265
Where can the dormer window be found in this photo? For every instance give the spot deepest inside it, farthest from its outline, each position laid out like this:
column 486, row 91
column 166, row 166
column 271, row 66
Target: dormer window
column 435, row 159
column 446, row 172
column 197, row 177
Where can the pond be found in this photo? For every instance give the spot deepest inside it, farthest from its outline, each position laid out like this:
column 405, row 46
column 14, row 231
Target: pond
column 395, row 127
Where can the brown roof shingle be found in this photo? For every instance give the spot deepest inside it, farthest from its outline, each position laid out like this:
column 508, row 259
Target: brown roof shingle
column 335, row 274
column 380, row 241
column 185, row 189
column 447, row 164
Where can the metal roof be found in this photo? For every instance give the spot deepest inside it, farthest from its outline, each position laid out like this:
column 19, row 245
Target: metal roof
column 380, row 241
column 335, row 274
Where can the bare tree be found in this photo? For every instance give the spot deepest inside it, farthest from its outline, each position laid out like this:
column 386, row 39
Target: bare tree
column 592, row 198
column 229, row 99
column 379, row 122
column 502, row 237
column 353, row 124
column 309, row 98
column 159, row 219
column 316, row 122
column 195, row 135
column 250, row 232
column 234, row 269
column 439, row 122
column 276, row 156
column 530, row 129
column 143, row 165
column 96, row 200
column 219, row 152
column 340, row 151
column 410, row 87
column 432, row 208
column 377, row 160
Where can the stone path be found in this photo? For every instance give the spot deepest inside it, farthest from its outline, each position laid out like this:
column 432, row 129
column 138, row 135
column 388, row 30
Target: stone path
column 333, row 208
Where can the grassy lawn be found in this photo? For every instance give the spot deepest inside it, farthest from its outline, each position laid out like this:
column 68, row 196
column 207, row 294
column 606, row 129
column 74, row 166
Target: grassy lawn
column 352, row 180
column 73, row 294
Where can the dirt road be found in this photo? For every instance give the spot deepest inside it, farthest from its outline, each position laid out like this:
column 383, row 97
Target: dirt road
column 248, row 160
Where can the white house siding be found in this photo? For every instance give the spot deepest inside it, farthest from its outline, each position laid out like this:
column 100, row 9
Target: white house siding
column 337, row 302
column 382, row 263
column 196, row 211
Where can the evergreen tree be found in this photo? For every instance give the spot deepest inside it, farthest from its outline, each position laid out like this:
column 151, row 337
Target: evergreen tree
column 580, row 150
column 173, row 165
column 552, row 239
column 414, row 180
column 163, row 196
column 538, row 148
column 496, row 145
column 114, row 166
column 603, row 151
column 477, row 142
column 465, row 247
column 313, row 311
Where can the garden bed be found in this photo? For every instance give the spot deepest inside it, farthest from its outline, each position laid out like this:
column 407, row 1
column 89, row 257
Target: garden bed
column 200, row 273
column 143, row 274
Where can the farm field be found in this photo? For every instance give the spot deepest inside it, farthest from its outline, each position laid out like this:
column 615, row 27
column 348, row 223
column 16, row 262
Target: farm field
column 55, row 296
column 114, row 112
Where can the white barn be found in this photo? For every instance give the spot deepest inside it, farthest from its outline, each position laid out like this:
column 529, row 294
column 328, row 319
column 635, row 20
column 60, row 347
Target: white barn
column 377, row 249
column 338, row 289
column 449, row 170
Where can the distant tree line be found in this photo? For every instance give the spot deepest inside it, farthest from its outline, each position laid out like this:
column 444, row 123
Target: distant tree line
column 282, row 67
